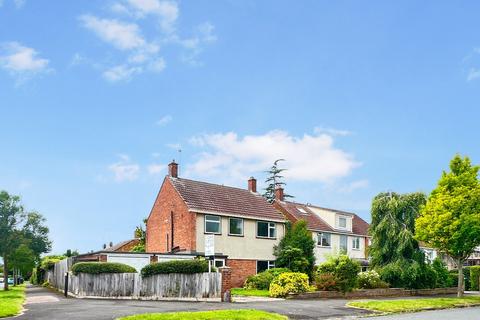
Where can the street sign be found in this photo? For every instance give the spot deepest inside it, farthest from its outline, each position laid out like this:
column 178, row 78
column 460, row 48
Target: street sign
column 209, row 245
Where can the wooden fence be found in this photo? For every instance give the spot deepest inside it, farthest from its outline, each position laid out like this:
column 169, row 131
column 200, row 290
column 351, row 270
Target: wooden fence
column 134, row 286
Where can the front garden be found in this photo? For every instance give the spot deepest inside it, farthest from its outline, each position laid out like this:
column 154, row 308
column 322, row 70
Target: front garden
column 209, row 315
column 11, row 301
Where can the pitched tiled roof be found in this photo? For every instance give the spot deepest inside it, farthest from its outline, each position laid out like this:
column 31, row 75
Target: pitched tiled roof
column 314, row 222
column 203, row 196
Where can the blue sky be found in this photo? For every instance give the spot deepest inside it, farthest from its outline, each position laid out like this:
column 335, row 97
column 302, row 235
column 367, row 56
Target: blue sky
column 96, row 97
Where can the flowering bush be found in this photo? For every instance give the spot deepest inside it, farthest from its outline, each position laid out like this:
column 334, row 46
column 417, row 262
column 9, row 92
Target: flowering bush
column 370, row 280
column 263, row 279
column 289, row 282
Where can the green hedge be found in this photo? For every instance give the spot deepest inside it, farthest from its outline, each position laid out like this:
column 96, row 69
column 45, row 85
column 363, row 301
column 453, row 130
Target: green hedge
column 101, row 267
column 474, row 275
column 263, row 279
column 176, row 266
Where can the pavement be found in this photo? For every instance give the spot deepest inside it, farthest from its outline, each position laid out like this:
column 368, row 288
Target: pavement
column 45, row 304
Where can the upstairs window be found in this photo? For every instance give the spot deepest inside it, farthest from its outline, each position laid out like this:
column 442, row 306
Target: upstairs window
column 323, row 239
column 342, row 222
column 356, row 243
column 212, row 224
column 266, row 230
column 235, row 227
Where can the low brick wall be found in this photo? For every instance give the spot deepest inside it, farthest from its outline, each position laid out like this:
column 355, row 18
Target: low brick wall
column 369, row 293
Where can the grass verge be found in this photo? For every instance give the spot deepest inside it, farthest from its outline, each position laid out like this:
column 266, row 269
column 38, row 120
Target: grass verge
column 209, row 315
column 11, row 301
column 413, row 305
column 249, row 292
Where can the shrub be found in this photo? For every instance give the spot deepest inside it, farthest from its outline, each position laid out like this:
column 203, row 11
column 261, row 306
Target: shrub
column 443, row 278
column 344, row 270
column 466, row 275
column 409, row 275
column 453, row 276
column 325, row 282
column 392, row 274
column 176, row 266
column 289, row 282
column 48, row 262
column 370, row 280
column 474, row 277
column 263, row 279
column 101, row 267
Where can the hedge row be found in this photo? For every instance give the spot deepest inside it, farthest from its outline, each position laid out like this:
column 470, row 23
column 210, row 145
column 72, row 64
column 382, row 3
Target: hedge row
column 101, row 267
column 176, row 266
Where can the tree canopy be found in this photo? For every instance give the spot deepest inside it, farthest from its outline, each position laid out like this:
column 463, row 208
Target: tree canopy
column 450, row 220
column 273, row 181
column 295, row 250
column 393, row 228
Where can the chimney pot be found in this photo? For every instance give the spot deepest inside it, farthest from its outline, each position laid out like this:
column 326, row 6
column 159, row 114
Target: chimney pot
column 279, row 193
column 252, row 184
column 173, row 169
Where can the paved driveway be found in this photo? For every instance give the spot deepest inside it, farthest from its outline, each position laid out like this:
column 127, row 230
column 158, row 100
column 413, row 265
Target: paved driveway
column 43, row 304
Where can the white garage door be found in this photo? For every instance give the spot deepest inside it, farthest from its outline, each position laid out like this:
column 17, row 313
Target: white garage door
column 136, row 261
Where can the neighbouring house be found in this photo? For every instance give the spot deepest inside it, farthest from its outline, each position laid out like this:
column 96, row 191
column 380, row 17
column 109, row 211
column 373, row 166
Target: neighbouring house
column 333, row 231
column 243, row 225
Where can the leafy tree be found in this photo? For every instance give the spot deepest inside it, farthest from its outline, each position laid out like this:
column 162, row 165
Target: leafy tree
column 295, row 250
column 69, row 253
column 274, row 181
column 11, row 215
column 393, row 228
column 140, row 234
column 450, row 220
column 23, row 259
column 20, row 230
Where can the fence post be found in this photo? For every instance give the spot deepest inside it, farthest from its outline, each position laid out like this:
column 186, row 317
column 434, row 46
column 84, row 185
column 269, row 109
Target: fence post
column 226, row 284
column 66, row 284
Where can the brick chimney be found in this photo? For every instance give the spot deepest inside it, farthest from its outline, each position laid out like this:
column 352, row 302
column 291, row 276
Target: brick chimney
column 173, row 169
column 279, row 193
column 252, row 184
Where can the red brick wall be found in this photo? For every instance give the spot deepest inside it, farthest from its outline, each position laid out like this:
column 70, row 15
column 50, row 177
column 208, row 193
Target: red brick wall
column 159, row 222
column 241, row 269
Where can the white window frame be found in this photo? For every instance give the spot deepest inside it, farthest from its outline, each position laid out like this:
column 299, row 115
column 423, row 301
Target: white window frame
column 356, row 243
column 320, row 238
column 234, row 234
column 271, row 226
column 346, row 222
column 342, row 236
column 219, row 224
column 270, row 265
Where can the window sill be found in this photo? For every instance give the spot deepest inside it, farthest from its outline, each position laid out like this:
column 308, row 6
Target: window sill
column 267, row 238
column 236, row 235
column 215, row 233
column 324, row 247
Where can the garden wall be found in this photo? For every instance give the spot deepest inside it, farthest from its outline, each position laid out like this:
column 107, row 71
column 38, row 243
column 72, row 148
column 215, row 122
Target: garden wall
column 368, row 293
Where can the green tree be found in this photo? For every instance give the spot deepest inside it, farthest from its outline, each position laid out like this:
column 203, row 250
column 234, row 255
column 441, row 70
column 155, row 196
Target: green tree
column 35, row 234
column 295, row 250
column 11, row 215
column 274, row 181
column 140, row 234
column 393, row 228
column 23, row 259
column 69, row 253
column 450, row 220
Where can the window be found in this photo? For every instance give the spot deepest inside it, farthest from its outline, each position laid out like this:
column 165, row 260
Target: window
column 236, row 227
column 342, row 222
column 343, row 244
column 266, row 229
column 212, row 224
column 263, row 265
column 356, row 243
column 219, row 263
column 323, row 239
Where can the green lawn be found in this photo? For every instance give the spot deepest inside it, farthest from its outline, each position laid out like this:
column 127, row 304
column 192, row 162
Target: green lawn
column 11, row 301
column 209, row 315
column 412, row 305
column 249, row 292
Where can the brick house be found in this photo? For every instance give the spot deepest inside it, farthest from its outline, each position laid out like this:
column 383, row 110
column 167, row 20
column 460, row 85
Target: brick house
column 332, row 230
column 245, row 226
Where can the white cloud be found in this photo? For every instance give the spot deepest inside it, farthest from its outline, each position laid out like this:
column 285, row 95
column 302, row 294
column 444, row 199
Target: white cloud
column 21, row 61
column 308, row 158
column 355, row 185
column 121, row 73
column 124, row 170
column 166, row 11
column 204, row 34
column 332, row 131
column 473, row 74
column 156, row 168
column 164, row 120
column 122, row 35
